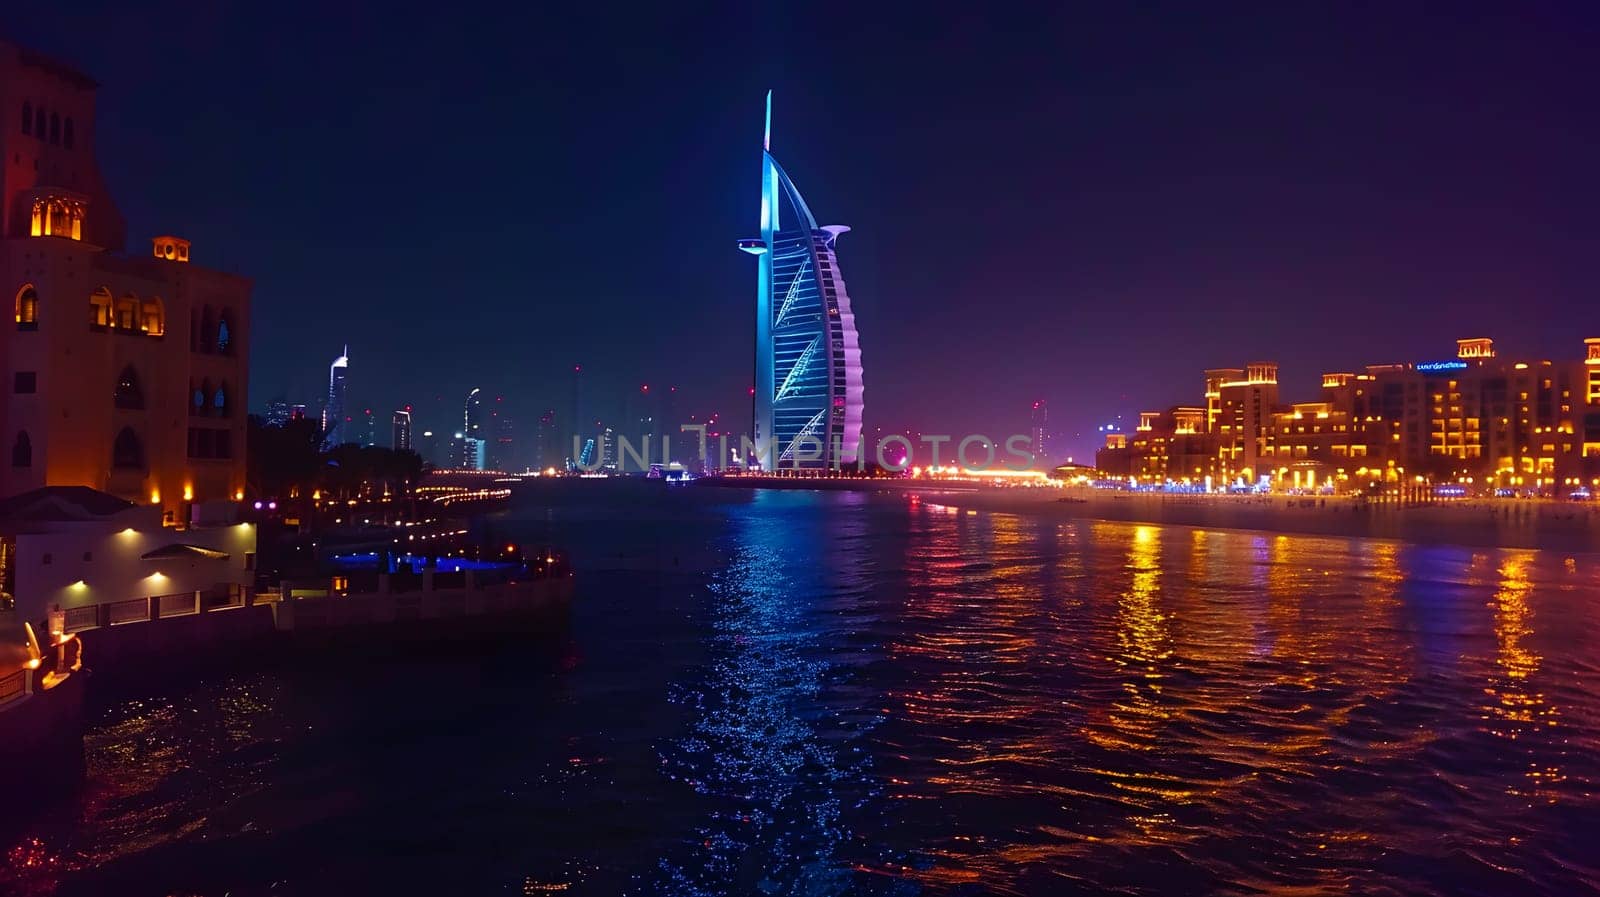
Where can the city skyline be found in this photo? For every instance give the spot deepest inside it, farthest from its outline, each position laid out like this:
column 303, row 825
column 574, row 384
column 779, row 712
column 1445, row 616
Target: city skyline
column 1284, row 214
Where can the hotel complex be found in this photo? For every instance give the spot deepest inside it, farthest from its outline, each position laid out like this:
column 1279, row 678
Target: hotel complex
column 1476, row 419
column 125, row 374
column 808, row 389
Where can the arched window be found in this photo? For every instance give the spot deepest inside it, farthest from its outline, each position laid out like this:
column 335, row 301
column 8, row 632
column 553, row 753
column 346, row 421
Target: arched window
column 55, row 127
column 27, row 308
column 128, row 394
column 66, row 134
column 38, row 123
column 127, row 313
column 27, row 118
column 202, row 399
column 152, row 316
column 100, row 308
column 219, row 401
column 225, row 333
column 127, row 453
column 206, row 330
column 22, row 450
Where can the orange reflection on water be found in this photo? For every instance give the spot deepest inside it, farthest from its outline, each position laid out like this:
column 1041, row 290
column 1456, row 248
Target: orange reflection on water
column 1515, row 706
column 1134, row 721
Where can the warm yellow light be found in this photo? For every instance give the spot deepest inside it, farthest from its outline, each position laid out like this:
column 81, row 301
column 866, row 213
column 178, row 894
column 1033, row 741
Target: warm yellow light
column 33, row 663
column 80, row 585
column 238, row 495
column 129, row 531
column 155, row 496
column 188, row 493
column 158, row 576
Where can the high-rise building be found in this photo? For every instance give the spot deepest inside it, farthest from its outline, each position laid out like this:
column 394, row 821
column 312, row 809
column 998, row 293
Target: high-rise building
column 335, row 420
column 808, row 379
column 472, row 435
column 608, row 449
column 369, row 427
column 577, row 428
column 549, row 452
column 402, row 430
column 501, row 437
column 126, row 374
column 428, row 448
column 1040, row 433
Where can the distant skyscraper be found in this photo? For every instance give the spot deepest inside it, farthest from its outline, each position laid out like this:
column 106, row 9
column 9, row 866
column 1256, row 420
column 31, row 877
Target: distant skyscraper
column 502, row 438
column 472, row 454
column 808, row 390
column 428, row 448
column 402, row 429
column 549, row 450
column 1040, row 434
column 334, row 431
column 370, row 427
column 577, row 427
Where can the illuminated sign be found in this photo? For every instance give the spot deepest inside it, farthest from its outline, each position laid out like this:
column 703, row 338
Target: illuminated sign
column 1442, row 366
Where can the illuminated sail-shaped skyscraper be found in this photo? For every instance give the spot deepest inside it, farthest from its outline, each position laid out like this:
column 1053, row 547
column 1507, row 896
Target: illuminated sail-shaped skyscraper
column 808, row 385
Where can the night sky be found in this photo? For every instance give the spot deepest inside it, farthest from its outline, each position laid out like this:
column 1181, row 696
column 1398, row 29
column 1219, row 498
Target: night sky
column 1088, row 207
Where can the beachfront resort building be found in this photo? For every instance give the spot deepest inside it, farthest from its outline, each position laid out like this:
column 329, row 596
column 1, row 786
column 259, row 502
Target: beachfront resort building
column 123, row 373
column 1476, row 419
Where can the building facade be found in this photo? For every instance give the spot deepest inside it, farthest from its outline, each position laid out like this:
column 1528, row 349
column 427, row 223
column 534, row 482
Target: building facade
column 335, row 416
column 1477, row 419
column 124, row 373
column 401, row 430
column 808, row 377
column 1039, row 433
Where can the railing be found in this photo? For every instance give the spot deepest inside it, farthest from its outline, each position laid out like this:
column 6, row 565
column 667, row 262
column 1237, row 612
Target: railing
column 81, row 618
column 179, row 605
column 13, row 687
column 223, row 597
column 134, row 610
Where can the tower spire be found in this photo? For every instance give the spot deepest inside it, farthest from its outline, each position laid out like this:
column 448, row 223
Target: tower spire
column 766, row 136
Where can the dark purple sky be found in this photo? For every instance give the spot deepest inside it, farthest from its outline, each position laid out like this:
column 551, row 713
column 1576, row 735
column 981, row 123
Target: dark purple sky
column 1086, row 207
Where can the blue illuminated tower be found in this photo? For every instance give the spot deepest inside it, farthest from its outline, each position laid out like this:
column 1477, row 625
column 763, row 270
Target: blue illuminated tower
column 808, row 386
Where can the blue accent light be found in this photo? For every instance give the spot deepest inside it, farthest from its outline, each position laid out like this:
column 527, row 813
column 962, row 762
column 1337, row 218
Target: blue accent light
column 1434, row 366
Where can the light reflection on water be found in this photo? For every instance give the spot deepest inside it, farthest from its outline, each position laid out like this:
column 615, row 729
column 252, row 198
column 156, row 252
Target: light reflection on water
column 793, row 693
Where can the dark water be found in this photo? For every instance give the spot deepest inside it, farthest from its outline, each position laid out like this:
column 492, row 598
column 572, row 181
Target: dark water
column 793, row 693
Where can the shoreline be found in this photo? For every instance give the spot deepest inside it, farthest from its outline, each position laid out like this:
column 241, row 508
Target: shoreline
column 1477, row 523
column 1513, row 523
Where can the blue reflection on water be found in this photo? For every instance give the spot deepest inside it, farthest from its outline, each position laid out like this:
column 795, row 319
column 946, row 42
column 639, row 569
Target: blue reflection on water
column 778, row 768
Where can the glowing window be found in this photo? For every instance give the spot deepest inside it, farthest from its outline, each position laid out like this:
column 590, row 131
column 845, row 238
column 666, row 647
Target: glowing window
column 27, row 308
column 100, row 308
column 152, row 317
